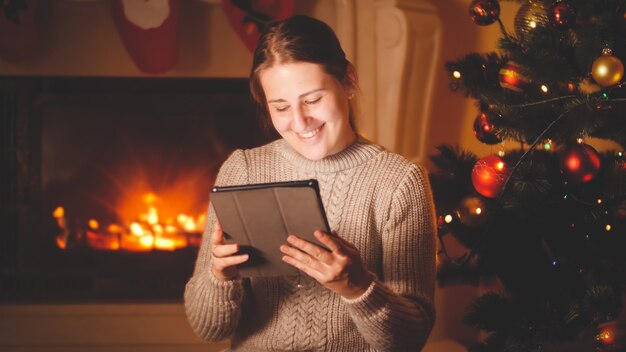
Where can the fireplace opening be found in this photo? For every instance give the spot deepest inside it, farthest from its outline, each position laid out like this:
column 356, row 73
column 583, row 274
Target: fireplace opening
column 107, row 181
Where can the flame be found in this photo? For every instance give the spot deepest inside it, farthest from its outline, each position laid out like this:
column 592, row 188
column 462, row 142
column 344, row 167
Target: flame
column 147, row 232
column 145, row 219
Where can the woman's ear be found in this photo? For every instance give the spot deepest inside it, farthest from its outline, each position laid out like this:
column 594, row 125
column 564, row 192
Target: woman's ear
column 352, row 80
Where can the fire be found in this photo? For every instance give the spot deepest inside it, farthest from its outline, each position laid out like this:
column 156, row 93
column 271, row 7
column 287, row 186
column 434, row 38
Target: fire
column 146, row 230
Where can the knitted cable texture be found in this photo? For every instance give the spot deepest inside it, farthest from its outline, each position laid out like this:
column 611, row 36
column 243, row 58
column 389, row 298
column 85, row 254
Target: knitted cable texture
column 374, row 199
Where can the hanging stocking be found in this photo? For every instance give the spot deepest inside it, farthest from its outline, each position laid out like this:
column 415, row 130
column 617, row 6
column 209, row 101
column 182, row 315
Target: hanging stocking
column 249, row 17
column 18, row 35
column 148, row 31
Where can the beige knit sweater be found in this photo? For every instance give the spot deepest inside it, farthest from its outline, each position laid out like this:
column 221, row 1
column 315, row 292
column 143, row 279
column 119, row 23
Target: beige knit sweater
column 374, row 199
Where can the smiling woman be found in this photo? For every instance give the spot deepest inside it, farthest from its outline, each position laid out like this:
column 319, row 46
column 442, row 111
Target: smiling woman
column 309, row 108
column 372, row 289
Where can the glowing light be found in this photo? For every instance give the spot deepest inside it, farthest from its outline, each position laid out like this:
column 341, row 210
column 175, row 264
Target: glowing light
column 152, row 216
column 93, row 224
column 114, row 228
column 136, row 229
column 456, row 74
column 608, row 227
column 150, row 198
column 606, row 336
column 573, row 163
column 478, row 211
column 500, row 165
column 547, row 145
column 554, row 263
column 579, row 140
column 448, row 219
column 59, row 212
column 544, row 88
column 599, row 201
column 146, row 241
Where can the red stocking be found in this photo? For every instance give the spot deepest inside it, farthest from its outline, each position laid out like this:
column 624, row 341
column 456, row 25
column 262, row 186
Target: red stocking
column 148, row 30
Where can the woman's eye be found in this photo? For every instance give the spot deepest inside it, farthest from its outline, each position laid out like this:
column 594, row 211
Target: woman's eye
column 281, row 108
column 311, row 102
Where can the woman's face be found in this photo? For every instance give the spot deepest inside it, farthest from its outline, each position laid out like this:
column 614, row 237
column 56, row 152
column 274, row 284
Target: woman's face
column 309, row 108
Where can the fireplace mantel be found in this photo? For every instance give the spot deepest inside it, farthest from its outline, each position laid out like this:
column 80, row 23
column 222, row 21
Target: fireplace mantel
column 395, row 47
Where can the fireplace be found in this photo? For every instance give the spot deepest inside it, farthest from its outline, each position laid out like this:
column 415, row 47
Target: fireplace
column 105, row 181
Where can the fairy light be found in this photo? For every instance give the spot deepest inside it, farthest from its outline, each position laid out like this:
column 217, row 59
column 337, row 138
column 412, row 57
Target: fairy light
column 478, row 211
column 608, row 227
column 547, row 145
column 544, row 88
column 599, row 201
column 579, row 140
column 456, row 74
column 93, row 224
column 448, row 218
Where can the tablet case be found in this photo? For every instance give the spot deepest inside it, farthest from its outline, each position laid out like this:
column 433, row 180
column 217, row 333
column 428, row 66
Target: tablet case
column 259, row 217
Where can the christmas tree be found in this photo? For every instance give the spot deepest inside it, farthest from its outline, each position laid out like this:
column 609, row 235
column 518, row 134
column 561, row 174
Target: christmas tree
column 543, row 218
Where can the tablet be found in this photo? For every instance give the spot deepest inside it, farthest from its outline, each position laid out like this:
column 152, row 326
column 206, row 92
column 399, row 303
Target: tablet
column 259, row 217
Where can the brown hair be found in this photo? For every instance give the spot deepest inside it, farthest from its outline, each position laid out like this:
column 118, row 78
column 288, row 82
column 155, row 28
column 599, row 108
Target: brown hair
column 299, row 38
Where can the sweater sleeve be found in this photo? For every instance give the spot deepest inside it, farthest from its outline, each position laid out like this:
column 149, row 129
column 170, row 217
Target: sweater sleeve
column 213, row 307
column 396, row 313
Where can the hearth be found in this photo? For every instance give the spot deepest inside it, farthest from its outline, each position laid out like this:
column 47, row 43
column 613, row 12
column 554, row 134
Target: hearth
column 105, row 181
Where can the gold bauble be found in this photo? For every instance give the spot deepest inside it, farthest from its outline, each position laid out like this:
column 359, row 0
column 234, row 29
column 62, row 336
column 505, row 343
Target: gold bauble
column 607, row 70
column 472, row 211
column 531, row 14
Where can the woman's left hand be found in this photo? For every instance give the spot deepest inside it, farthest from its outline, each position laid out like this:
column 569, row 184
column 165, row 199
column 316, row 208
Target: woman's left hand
column 341, row 269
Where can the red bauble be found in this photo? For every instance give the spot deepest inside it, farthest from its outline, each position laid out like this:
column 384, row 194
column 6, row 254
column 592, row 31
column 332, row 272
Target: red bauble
column 580, row 163
column 484, row 130
column 562, row 15
column 489, row 175
column 484, row 12
column 511, row 77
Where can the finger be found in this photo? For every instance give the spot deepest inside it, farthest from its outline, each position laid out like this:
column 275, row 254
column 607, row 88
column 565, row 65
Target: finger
column 217, row 237
column 302, row 267
column 224, row 250
column 333, row 243
column 309, row 248
column 222, row 263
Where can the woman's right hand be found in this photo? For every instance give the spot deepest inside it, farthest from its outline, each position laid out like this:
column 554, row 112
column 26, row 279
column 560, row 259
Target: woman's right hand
column 224, row 256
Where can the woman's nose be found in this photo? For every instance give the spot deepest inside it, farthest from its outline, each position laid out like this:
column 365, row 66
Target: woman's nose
column 300, row 120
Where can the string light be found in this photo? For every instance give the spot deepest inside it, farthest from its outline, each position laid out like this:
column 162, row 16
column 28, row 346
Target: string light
column 456, row 74
column 544, row 88
column 599, row 201
column 448, row 218
column 608, row 227
column 547, row 145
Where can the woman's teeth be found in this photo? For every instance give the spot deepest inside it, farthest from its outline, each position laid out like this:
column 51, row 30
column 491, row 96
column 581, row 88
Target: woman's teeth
column 309, row 134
